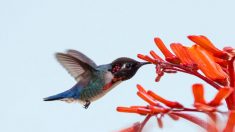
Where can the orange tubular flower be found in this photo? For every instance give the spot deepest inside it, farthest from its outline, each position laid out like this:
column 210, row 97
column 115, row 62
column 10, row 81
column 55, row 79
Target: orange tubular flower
column 139, row 107
column 168, row 55
column 145, row 57
column 206, row 63
column 164, row 101
column 200, row 103
column 147, row 98
column 140, row 88
column 127, row 110
column 137, row 110
column 222, row 94
column 203, row 60
column 205, row 43
column 177, row 110
column 182, row 52
column 198, row 92
column 155, row 56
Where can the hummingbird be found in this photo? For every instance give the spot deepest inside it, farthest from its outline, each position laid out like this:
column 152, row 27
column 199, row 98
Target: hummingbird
column 93, row 81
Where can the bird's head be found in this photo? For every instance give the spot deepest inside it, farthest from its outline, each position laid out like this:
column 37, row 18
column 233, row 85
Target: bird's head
column 125, row 68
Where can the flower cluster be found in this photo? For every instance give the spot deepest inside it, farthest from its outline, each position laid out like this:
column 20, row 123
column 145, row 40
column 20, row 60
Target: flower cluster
column 159, row 106
column 203, row 60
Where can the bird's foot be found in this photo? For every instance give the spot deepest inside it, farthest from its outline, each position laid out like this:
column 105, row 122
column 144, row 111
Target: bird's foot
column 87, row 104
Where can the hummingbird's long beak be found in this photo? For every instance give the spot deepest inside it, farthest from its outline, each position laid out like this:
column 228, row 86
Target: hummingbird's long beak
column 143, row 63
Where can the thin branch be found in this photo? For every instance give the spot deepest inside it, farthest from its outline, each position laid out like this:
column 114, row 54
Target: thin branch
column 187, row 110
column 209, row 81
column 192, row 72
column 144, row 122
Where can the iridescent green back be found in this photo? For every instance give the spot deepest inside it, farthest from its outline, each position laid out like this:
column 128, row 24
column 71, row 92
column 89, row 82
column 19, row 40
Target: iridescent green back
column 94, row 87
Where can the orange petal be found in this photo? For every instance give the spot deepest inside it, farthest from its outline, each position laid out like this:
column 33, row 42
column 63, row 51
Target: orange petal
column 198, row 92
column 146, row 58
column 155, row 56
column 231, row 122
column 149, row 58
column 224, row 82
column 182, row 52
column 142, row 57
column 164, row 101
column 168, row 55
column 127, row 110
column 222, row 94
column 144, row 111
column 140, row 88
column 206, row 63
column 205, row 43
column 147, row 98
column 136, row 106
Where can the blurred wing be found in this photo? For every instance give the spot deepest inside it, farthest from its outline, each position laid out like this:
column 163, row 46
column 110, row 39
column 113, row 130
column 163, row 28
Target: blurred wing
column 81, row 57
column 74, row 66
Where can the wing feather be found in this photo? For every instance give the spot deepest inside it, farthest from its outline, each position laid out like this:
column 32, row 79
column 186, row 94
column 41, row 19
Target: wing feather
column 73, row 65
column 81, row 57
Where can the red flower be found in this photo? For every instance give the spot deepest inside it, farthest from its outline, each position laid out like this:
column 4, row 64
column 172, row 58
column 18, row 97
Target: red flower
column 168, row 55
column 183, row 53
column 164, row 101
column 203, row 60
column 207, row 64
column 202, row 105
column 205, row 43
column 175, row 109
column 203, row 56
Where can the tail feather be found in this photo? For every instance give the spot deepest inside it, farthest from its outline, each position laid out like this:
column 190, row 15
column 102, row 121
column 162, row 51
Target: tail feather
column 54, row 97
column 60, row 96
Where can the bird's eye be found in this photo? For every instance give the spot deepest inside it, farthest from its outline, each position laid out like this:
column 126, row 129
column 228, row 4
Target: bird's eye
column 128, row 65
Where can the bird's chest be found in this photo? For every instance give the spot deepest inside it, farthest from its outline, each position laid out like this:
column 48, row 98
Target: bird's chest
column 97, row 87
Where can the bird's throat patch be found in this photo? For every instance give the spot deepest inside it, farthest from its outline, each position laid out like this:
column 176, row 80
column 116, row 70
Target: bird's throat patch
column 107, row 86
column 111, row 84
